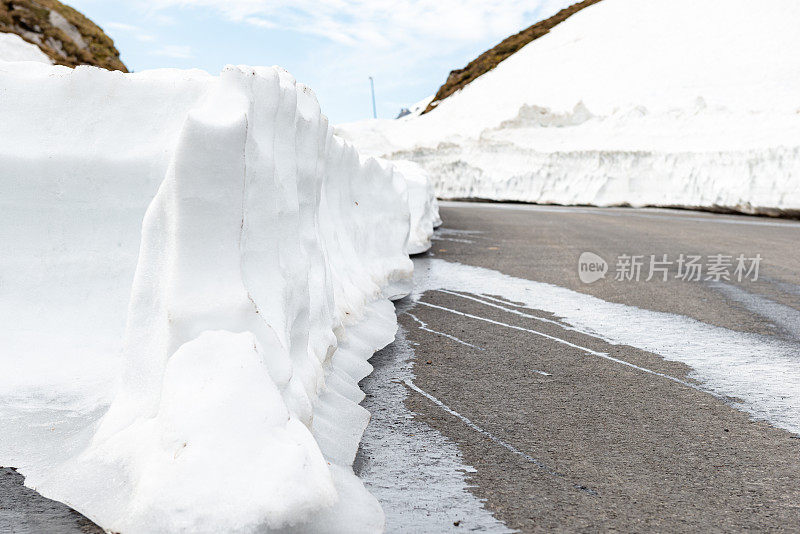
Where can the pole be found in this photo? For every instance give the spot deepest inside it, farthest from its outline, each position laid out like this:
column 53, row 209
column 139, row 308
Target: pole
column 374, row 109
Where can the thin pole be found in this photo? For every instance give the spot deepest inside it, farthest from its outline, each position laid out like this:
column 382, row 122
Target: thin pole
column 374, row 109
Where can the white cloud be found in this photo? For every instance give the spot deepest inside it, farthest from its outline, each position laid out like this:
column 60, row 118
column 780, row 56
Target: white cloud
column 121, row 26
column 137, row 32
column 175, row 51
column 408, row 46
column 260, row 22
column 389, row 39
column 382, row 24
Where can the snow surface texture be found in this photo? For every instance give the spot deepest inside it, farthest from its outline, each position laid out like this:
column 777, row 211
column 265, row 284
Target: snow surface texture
column 228, row 331
column 15, row 48
column 658, row 102
column 422, row 203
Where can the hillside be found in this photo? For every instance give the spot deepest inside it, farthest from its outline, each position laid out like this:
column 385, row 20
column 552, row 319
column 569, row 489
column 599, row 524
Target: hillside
column 65, row 35
column 493, row 57
column 614, row 106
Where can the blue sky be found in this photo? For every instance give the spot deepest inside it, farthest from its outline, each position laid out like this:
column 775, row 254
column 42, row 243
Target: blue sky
column 408, row 46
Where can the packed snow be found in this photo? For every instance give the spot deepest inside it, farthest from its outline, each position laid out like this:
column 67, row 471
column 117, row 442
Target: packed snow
column 15, row 48
column 616, row 107
column 200, row 272
column 423, row 205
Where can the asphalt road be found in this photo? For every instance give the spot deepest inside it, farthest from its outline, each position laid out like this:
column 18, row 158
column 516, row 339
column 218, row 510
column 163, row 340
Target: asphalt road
column 560, row 441
column 23, row 511
column 565, row 442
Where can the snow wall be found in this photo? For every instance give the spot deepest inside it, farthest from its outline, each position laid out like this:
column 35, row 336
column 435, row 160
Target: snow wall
column 760, row 181
column 422, row 202
column 628, row 102
column 196, row 271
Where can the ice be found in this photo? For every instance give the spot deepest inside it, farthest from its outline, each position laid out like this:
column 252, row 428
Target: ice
column 200, row 272
column 625, row 103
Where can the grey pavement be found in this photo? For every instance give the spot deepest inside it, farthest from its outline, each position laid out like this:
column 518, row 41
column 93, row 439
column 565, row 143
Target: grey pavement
column 563, row 441
column 560, row 440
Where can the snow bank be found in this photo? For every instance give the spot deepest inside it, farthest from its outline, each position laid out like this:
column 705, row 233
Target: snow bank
column 225, row 334
column 664, row 102
column 422, row 203
column 15, row 48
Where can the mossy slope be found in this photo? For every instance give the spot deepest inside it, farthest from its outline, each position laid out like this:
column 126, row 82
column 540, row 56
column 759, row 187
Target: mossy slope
column 487, row 61
column 64, row 34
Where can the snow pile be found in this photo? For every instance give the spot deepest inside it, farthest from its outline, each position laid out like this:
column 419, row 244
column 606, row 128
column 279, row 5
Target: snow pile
column 228, row 331
column 422, row 203
column 15, row 48
column 664, row 102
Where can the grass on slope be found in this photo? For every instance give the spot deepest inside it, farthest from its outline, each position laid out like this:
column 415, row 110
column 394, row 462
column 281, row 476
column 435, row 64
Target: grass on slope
column 487, row 61
column 31, row 20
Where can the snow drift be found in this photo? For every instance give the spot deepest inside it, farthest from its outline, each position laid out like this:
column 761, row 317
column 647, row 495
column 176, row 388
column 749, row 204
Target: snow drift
column 225, row 334
column 658, row 102
column 15, row 48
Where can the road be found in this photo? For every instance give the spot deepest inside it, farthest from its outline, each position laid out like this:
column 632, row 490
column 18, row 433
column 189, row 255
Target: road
column 569, row 430
column 23, row 511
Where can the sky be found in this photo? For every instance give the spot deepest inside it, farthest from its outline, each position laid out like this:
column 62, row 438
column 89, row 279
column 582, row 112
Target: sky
column 334, row 46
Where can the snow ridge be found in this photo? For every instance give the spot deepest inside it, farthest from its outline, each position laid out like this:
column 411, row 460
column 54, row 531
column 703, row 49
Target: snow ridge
column 756, row 181
column 266, row 265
